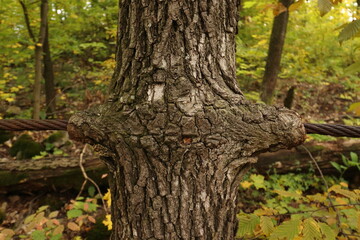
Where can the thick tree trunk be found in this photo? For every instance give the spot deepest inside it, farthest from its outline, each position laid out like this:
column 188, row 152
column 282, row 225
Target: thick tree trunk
column 277, row 40
column 49, row 77
column 176, row 132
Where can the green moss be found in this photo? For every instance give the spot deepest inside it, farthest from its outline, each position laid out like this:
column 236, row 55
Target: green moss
column 5, row 135
column 2, row 216
column 8, row 178
column 55, row 137
column 25, row 148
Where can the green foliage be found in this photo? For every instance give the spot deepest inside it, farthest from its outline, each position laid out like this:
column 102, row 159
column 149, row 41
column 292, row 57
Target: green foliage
column 349, row 31
column 287, row 230
column 46, row 224
column 324, row 6
column 25, row 147
column 321, row 138
column 353, row 161
column 288, row 210
column 247, row 224
column 353, row 68
column 82, row 42
column 311, row 53
column 53, row 145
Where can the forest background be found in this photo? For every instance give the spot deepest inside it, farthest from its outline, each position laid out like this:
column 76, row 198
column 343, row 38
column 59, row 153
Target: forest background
column 320, row 63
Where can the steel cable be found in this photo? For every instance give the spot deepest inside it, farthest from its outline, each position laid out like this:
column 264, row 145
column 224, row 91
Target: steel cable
column 34, row 125
column 336, row 130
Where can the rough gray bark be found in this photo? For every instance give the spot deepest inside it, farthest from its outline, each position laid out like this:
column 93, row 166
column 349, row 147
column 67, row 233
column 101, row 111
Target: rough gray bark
column 176, row 133
column 277, row 40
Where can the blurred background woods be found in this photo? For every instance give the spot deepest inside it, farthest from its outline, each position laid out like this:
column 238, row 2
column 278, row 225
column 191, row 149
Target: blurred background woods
column 79, row 45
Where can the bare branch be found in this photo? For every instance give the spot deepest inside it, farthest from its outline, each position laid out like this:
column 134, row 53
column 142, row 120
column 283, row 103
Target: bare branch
column 87, row 178
column 27, row 20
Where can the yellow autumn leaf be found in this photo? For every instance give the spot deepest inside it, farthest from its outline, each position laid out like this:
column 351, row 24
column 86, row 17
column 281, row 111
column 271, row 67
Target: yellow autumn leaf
column 9, row 99
column 246, row 184
column 264, row 211
column 107, row 198
column 16, row 45
column 6, row 75
column 278, row 9
column 73, row 226
column 284, row 193
column 97, row 82
column 107, row 222
column 32, row 47
column 341, row 201
column 355, row 108
column 262, row 42
column 14, row 89
column 344, row 184
column 296, row 5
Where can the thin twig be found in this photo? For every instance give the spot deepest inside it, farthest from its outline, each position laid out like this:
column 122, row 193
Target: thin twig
column 327, row 187
column 87, row 178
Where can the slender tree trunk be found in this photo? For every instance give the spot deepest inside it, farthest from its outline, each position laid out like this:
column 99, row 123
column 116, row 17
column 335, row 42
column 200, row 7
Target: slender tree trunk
column 273, row 61
column 176, row 133
column 50, row 93
column 38, row 59
column 37, row 82
column 38, row 51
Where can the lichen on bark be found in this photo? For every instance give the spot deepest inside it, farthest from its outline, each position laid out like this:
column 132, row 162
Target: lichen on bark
column 177, row 133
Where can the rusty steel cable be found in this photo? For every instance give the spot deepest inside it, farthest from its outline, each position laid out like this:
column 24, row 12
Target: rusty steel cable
column 34, row 125
column 336, row 130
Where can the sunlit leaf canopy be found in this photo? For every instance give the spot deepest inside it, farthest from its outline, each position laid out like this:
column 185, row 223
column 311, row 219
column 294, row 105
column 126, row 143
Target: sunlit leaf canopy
column 312, row 51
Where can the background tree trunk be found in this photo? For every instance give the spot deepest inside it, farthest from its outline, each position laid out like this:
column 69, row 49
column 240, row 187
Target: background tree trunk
column 50, row 93
column 176, row 133
column 273, row 61
column 38, row 51
column 37, row 82
column 38, row 59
